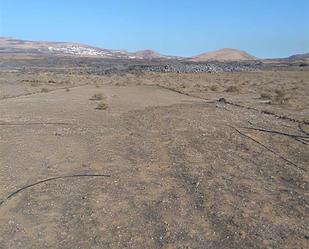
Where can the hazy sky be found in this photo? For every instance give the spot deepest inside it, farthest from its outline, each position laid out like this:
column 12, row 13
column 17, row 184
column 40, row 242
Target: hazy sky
column 264, row 28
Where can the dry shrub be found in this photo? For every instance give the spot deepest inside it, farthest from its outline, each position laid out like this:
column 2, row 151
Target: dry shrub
column 265, row 96
column 33, row 82
column 280, row 97
column 97, row 96
column 232, row 89
column 102, row 106
column 44, row 90
column 279, row 93
column 214, row 88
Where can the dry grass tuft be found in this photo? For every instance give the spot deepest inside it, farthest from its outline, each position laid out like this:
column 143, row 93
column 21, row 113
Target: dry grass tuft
column 34, row 83
column 102, row 106
column 233, row 89
column 280, row 97
column 265, row 96
column 214, row 88
column 44, row 90
column 97, row 96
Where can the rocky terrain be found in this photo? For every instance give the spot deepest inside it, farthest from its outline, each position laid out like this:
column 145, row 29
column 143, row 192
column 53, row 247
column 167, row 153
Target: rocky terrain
column 202, row 67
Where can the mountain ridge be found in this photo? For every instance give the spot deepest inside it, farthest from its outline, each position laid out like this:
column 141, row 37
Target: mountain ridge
column 304, row 56
column 13, row 45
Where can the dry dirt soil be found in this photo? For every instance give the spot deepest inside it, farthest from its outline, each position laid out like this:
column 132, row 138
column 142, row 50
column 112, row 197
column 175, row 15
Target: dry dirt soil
column 162, row 164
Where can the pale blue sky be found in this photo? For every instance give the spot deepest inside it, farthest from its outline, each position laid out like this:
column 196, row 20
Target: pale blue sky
column 264, row 28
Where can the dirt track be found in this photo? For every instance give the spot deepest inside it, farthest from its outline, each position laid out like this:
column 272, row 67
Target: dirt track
column 184, row 172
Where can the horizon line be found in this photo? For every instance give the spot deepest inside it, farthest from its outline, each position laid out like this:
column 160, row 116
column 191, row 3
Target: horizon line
column 147, row 49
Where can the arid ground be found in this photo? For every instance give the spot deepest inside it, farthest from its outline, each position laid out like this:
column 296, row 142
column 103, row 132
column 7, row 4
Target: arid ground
column 154, row 160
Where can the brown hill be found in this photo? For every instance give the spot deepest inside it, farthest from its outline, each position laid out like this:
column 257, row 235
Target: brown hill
column 147, row 54
column 225, row 54
column 12, row 45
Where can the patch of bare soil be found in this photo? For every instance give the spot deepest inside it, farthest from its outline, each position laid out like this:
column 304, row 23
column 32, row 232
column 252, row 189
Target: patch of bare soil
column 157, row 168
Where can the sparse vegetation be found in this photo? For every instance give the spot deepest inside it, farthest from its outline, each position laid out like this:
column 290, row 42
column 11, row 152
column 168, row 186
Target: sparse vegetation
column 102, row 106
column 280, row 93
column 214, row 88
column 97, row 96
column 34, row 83
column 31, row 81
column 44, row 90
column 280, row 96
column 233, row 89
column 265, row 96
